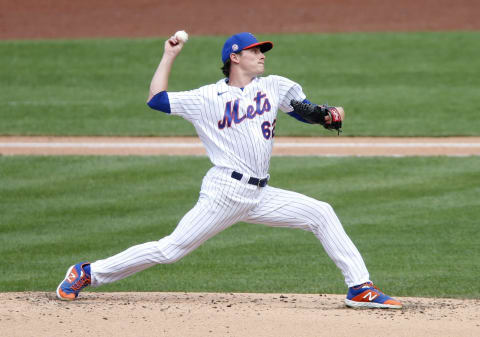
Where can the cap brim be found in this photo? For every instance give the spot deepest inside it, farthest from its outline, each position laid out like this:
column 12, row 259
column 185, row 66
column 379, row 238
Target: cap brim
column 264, row 46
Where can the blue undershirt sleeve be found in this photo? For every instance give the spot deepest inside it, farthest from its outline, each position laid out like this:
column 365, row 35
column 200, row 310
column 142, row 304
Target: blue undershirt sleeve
column 160, row 102
column 297, row 116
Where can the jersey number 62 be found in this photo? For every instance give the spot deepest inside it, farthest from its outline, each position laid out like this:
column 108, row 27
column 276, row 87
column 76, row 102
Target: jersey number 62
column 268, row 130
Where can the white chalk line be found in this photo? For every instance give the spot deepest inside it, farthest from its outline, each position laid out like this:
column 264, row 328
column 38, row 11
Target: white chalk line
column 83, row 145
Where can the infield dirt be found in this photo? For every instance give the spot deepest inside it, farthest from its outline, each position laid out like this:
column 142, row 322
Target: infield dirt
column 28, row 19
column 230, row 314
column 167, row 314
column 284, row 146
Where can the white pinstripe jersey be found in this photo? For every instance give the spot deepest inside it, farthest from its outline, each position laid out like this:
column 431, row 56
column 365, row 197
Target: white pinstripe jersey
column 237, row 126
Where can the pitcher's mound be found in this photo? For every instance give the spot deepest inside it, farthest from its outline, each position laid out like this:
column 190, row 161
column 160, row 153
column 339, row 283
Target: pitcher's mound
column 229, row 314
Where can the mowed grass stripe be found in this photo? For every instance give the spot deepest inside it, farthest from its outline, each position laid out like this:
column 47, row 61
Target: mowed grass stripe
column 413, row 219
column 391, row 84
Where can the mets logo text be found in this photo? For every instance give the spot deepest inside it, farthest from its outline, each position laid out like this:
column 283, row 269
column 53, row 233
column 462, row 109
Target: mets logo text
column 231, row 113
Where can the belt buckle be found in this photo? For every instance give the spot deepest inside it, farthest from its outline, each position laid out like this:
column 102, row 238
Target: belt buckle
column 262, row 182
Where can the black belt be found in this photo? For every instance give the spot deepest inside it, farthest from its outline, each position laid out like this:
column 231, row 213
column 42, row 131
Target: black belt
column 252, row 180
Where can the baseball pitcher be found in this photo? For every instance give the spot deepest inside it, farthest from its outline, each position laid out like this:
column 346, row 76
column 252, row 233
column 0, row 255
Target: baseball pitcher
column 235, row 119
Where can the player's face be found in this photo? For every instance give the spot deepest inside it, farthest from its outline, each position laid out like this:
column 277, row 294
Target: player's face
column 252, row 61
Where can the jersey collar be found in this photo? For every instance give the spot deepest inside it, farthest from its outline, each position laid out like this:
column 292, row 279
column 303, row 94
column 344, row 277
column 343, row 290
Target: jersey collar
column 224, row 82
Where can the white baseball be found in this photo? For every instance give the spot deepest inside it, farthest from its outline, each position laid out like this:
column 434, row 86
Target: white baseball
column 182, row 36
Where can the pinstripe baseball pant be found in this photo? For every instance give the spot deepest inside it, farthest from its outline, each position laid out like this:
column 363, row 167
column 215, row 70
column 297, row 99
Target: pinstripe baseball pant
column 225, row 201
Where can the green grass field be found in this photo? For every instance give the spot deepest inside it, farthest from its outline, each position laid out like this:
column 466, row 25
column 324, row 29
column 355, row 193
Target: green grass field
column 395, row 84
column 415, row 221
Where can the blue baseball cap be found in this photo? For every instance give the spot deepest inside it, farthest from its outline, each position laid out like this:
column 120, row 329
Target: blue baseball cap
column 238, row 42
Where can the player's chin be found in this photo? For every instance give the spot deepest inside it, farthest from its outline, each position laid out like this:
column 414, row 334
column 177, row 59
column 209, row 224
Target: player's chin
column 260, row 69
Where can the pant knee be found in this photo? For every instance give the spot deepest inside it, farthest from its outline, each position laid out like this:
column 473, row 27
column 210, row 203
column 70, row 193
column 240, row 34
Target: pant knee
column 322, row 215
column 171, row 251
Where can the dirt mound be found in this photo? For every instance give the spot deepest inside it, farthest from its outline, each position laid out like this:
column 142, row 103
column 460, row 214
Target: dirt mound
column 229, row 314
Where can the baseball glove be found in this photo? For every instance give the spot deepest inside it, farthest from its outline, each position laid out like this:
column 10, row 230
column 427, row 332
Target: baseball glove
column 316, row 114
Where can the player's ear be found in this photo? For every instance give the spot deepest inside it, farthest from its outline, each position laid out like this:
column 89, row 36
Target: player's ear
column 235, row 57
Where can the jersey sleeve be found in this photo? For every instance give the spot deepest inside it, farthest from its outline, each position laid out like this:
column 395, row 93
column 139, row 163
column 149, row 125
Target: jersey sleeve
column 187, row 104
column 160, row 102
column 288, row 90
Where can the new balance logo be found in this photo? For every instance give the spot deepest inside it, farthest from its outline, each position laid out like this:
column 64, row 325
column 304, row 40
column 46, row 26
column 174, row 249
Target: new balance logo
column 371, row 296
column 71, row 277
